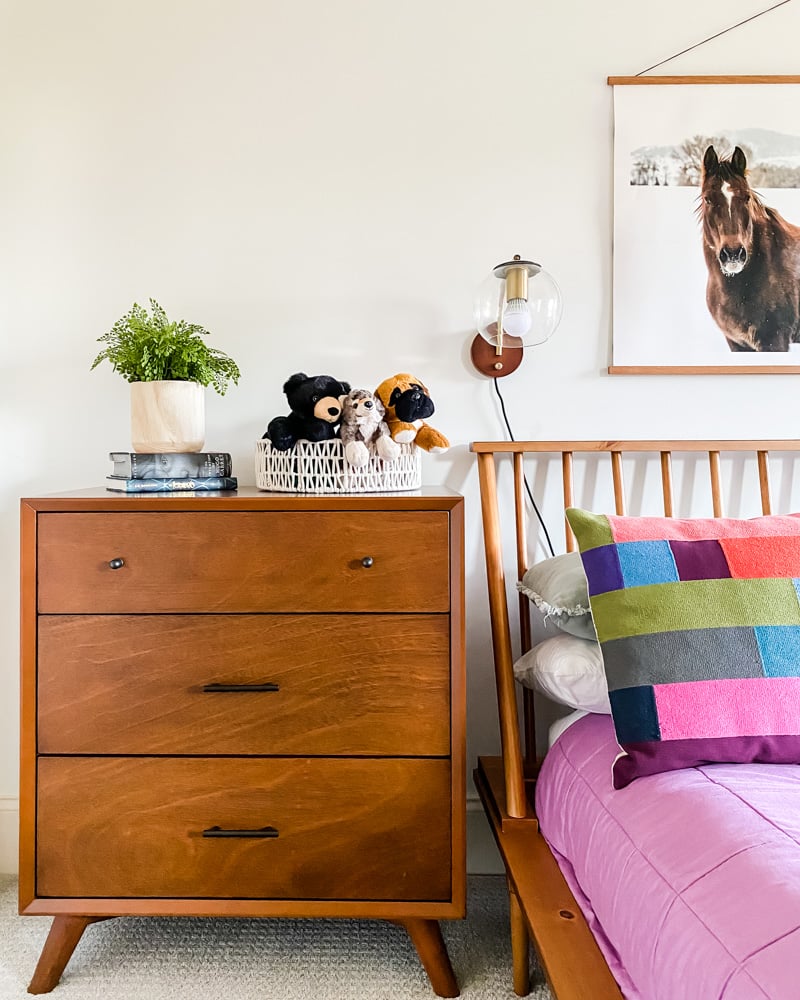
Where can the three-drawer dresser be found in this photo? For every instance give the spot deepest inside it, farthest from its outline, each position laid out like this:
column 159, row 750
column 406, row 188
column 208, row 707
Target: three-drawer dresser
column 246, row 704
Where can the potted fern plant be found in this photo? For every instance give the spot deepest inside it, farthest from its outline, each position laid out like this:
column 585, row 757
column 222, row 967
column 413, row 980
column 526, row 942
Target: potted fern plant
column 168, row 365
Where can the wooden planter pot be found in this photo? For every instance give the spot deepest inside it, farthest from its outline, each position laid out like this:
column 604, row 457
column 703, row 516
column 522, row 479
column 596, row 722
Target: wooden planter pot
column 167, row 416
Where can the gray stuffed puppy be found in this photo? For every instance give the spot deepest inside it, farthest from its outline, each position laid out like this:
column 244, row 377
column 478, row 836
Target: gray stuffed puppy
column 363, row 430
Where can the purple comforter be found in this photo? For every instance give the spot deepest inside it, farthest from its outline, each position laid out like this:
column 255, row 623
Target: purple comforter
column 690, row 880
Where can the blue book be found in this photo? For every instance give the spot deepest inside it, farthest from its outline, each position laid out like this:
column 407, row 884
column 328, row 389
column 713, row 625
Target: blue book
column 162, row 485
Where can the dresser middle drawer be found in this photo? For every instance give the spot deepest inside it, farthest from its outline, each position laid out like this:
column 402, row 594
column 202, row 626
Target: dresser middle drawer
column 206, row 684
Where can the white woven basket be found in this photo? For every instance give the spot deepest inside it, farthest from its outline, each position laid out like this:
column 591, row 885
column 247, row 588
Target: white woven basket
column 319, row 467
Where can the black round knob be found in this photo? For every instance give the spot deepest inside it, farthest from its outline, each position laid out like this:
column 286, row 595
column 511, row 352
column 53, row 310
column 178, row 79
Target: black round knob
column 116, row 563
column 367, row 561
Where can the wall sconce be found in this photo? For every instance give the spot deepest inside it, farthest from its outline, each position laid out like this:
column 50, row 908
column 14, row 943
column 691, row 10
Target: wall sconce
column 518, row 305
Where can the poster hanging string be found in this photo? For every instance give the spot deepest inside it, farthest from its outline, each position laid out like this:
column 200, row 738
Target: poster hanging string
column 712, row 37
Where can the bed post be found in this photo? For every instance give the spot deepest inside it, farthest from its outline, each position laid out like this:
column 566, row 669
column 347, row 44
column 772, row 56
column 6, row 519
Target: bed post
column 528, row 708
column 516, row 803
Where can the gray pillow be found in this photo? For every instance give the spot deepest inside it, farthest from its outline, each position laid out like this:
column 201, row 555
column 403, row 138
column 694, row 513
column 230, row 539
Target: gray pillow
column 559, row 590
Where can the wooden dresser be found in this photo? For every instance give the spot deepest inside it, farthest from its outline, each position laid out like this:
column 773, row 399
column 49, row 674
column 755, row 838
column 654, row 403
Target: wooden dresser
column 246, row 704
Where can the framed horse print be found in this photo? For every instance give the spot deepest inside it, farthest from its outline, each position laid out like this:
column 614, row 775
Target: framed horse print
column 706, row 225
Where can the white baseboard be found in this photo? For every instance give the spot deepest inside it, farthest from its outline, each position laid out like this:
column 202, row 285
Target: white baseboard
column 482, row 856
column 9, row 838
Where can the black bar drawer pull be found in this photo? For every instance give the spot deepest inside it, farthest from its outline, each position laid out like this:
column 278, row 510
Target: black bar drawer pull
column 264, row 831
column 216, row 688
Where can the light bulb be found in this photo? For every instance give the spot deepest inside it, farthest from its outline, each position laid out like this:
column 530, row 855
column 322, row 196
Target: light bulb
column 516, row 318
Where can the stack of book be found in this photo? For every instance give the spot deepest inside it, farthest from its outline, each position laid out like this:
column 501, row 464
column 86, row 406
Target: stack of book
column 139, row 472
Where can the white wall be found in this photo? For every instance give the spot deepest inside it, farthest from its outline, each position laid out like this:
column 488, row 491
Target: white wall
column 322, row 185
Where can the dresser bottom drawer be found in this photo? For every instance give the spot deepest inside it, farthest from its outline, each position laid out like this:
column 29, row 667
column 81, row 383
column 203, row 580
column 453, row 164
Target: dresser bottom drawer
column 250, row 828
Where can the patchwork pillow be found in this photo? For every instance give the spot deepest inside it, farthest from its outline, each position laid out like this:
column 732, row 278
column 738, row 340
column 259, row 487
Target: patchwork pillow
column 699, row 625
column 557, row 587
column 568, row 670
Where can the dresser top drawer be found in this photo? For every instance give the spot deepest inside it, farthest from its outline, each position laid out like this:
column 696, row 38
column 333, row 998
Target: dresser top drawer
column 240, row 561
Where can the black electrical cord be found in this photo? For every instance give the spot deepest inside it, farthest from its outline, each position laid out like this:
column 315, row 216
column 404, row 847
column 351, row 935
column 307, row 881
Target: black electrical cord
column 525, row 480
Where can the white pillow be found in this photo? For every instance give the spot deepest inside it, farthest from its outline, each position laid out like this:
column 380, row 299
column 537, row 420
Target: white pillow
column 568, row 670
column 559, row 589
column 562, row 725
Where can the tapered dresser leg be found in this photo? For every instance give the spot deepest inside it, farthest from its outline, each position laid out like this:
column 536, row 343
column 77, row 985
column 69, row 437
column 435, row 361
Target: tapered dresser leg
column 65, row 933
column 426, row 936
column 520, row 947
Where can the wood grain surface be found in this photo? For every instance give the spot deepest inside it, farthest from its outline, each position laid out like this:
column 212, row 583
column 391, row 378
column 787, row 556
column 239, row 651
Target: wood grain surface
column 348, row 684
column 348, row 828
column 243, row 561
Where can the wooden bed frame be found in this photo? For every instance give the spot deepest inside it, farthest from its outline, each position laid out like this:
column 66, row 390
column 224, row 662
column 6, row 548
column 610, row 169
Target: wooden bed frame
column 542, row 908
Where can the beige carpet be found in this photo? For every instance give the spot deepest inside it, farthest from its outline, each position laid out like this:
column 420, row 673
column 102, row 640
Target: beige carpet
column 199, row 959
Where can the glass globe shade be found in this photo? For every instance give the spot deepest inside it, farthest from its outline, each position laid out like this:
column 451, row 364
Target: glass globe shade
column 526, row 321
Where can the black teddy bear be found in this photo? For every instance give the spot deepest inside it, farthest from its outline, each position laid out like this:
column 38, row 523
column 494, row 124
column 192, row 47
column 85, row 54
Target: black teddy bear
column 316, row 410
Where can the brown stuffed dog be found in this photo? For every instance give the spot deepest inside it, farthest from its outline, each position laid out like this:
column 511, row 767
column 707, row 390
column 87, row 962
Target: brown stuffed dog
column 407, row 402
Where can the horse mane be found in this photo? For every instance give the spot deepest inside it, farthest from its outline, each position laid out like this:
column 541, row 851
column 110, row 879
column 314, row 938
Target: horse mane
column 727, row 172
column 773, row 216
column 759, row 210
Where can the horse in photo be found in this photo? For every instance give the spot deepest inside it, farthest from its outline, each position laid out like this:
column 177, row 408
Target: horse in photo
column 753, row 259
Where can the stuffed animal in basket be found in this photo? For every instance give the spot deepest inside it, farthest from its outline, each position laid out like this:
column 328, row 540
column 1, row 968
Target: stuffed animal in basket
column 315, row 410
column 363, row 431
column 407, row 403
